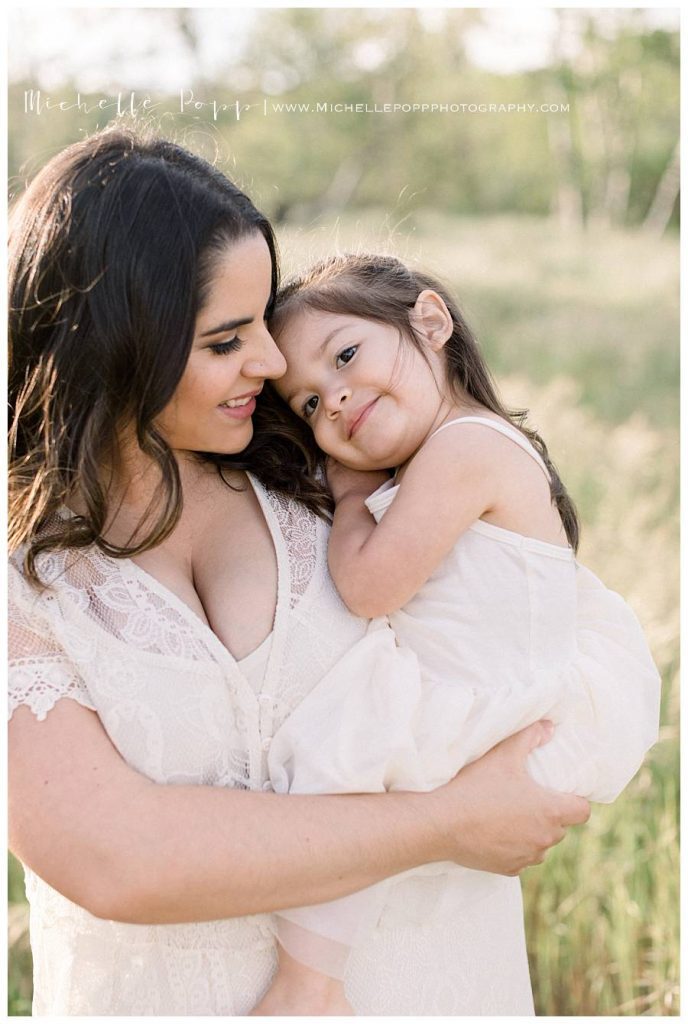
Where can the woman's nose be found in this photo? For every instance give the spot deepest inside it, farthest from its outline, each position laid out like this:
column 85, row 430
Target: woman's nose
column 266, row 361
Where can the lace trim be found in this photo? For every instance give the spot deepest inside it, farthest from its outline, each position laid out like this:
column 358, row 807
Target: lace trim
column 39, row 685
column 116, row 596
column 298, row 527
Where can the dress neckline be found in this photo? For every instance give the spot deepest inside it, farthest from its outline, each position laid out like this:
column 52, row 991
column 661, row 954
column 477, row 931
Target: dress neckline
column 212, row 641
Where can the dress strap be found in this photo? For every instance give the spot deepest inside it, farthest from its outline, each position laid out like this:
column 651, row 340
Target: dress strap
column 508, row 431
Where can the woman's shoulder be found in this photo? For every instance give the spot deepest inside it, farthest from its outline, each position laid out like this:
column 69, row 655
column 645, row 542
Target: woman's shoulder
column 64, row 588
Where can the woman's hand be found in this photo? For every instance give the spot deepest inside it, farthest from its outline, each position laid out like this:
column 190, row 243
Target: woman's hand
column 344, row 482
column 496, row 818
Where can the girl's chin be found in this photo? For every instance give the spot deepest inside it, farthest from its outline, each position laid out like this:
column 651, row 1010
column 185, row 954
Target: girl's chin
column 374, row 459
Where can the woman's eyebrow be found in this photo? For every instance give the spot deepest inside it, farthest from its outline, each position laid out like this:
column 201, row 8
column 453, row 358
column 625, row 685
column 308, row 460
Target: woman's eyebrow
column 228, row 326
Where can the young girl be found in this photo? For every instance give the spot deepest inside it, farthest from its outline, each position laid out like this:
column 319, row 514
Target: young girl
column 469, row 550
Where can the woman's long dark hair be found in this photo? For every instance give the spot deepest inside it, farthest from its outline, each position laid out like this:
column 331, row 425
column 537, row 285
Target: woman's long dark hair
column 384, row 290
column 112, row 249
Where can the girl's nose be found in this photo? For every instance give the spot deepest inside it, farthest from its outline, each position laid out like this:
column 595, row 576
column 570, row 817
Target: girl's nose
column 266, row 361
column 335, row 399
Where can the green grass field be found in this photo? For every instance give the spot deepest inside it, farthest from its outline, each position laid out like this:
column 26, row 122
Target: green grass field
column 583, row 330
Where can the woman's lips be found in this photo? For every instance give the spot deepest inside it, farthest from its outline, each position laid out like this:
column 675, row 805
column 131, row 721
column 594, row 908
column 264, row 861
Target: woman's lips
column 361, row 417
column 239, row 412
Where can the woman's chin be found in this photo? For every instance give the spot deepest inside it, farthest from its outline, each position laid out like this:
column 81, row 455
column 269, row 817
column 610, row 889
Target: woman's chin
column 222, row 445
column 235, row 445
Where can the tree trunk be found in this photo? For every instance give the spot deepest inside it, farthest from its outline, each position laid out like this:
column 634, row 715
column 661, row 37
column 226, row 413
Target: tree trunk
column 568, row 201
column 659, row 214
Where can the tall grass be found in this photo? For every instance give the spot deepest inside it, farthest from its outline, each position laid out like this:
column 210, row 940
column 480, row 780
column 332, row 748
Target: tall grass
column 602, row 914
column 583, row 330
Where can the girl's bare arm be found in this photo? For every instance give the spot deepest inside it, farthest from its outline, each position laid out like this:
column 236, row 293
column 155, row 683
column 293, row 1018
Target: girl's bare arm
column 129, row 849
column 447, row 486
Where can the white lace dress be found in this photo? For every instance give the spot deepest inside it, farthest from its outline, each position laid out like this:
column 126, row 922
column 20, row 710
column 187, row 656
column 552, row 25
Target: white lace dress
column 179, row 709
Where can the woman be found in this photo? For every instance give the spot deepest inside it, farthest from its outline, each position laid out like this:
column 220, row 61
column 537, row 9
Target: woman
column 152, row 662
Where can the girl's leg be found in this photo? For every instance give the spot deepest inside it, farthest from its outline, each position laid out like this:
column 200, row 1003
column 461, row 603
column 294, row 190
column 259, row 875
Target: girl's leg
column 297, row 990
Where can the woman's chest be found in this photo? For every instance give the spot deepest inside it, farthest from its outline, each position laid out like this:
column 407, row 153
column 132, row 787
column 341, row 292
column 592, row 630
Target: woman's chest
column 165, row 685
column 220, row 562
column 234, row 567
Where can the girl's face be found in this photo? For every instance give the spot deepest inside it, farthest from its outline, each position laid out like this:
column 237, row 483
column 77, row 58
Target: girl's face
column 231, row 356
column 369, row 395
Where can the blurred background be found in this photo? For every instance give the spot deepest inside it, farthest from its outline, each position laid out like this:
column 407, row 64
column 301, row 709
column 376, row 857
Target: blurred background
column 546, row 195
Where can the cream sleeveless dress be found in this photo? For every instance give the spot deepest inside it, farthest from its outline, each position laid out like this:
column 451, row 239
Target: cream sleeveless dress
column 502, row 638
column 180, row 710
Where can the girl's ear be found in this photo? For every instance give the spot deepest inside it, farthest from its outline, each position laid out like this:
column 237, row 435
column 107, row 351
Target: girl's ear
column 431, row 319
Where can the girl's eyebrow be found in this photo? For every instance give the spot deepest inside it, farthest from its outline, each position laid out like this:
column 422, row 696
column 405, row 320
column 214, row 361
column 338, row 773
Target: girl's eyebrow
column 292, row 395
column 328, row 337
column 229, row 325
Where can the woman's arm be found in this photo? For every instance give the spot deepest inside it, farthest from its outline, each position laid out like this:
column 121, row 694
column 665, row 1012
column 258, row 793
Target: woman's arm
column 131, row 850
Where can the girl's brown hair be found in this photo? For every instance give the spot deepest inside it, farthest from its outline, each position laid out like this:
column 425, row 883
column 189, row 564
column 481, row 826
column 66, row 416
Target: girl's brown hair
column 384, row 290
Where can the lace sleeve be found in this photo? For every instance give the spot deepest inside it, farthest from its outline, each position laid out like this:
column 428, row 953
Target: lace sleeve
column 39, row 671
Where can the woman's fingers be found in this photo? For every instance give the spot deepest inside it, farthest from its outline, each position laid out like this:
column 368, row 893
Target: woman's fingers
column 507, row 821
column 522, row 743
column 567, row 808
column 573, row 810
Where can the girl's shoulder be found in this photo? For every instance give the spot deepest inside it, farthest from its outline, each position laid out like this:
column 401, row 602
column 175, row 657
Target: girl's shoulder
column 467, row 427
column 464, row 439
column 483, row 439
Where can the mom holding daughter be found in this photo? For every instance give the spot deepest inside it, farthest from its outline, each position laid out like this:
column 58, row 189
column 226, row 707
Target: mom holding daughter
column 174, row 631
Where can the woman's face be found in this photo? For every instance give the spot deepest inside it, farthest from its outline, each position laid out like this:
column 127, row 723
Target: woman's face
column 231, row 356
column 369, row 396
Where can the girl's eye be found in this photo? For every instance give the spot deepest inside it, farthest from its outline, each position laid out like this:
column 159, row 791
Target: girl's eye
column 346, row 355
column 310, row 406
column 223, row 347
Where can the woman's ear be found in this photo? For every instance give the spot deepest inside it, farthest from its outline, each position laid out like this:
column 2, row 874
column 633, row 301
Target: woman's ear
column 431, row 319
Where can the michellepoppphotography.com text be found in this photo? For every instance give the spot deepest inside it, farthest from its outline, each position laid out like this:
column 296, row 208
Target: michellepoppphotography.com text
column 38, row 103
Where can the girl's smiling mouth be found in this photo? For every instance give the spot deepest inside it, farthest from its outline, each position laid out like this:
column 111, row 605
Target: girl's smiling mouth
column 360, row 417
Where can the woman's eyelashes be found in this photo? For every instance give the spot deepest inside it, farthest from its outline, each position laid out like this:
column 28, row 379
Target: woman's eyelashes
column 221, row 348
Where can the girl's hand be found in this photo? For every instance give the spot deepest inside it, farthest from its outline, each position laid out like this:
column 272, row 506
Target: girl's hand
column 344, row 482
column 506, row 822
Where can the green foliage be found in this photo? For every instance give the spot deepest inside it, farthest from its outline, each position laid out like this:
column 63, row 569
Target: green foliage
column 603, row 161
column 19, row 981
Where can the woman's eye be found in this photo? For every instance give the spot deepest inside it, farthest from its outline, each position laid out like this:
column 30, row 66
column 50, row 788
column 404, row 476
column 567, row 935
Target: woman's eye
column 310, row 406
column 347, row 354
column 223, row 347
